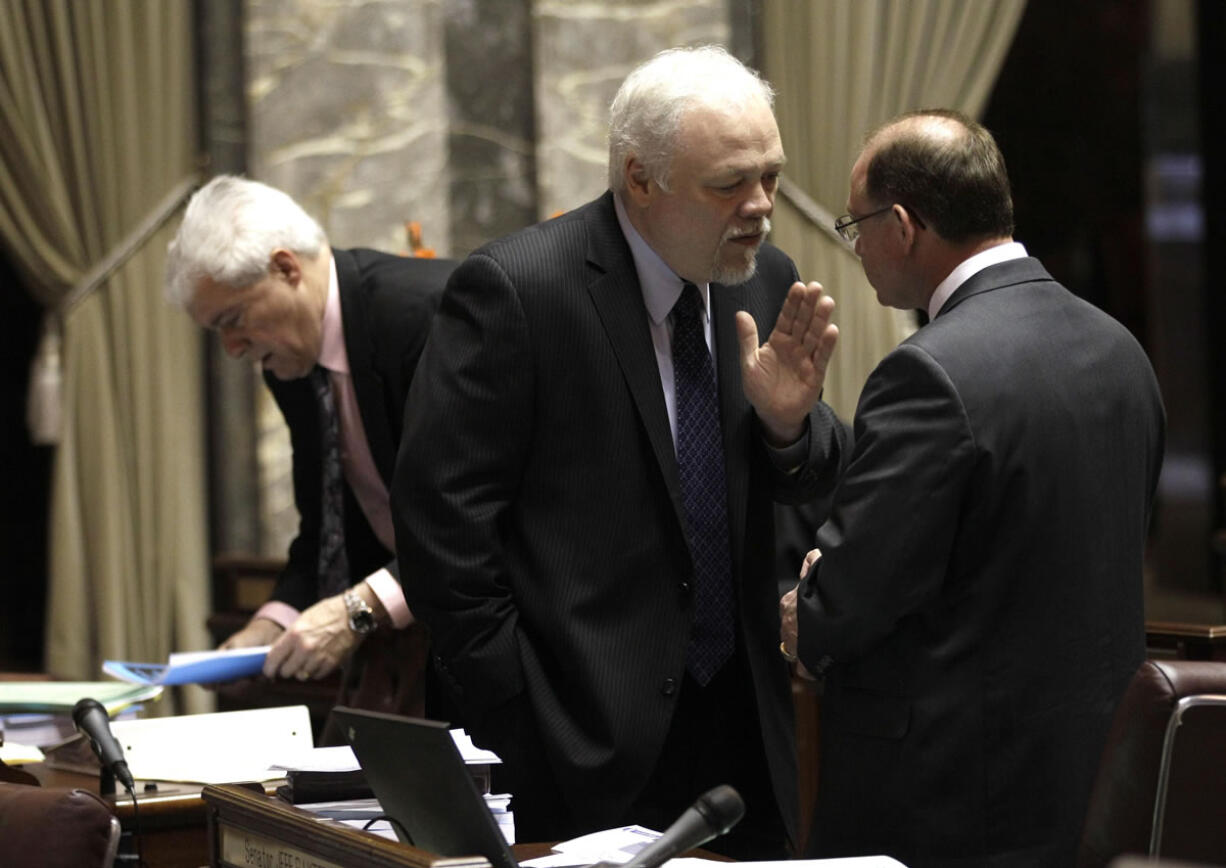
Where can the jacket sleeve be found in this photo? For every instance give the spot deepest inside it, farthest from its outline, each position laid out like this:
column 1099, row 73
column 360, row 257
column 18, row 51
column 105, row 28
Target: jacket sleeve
column 887, row 543
column 457, row 472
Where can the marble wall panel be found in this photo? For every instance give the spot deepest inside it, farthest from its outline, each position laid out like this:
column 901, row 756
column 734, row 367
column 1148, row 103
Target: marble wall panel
column 492, row 119
column 472, row 117
column 347, row 112
column 347, row 106
column 582, row 51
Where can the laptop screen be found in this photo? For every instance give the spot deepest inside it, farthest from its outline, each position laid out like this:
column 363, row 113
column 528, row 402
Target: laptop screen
column 417, row 774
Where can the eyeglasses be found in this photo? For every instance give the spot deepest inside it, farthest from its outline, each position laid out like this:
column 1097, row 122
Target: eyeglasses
column 847, row 227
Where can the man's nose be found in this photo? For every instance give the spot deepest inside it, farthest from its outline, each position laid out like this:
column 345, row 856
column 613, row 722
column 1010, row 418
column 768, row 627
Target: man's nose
column 761, row 201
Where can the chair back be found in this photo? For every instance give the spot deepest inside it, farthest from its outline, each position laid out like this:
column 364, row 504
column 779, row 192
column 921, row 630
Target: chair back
column 1161, row 783
column 55, row 828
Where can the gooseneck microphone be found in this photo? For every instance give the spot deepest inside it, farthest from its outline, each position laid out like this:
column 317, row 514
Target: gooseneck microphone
column 92, row 721
column 714, row 813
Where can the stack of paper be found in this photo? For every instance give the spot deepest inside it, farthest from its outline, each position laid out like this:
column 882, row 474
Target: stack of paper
column 15, row 754
column 38, row 713
column 59, row 697
column 500, row 807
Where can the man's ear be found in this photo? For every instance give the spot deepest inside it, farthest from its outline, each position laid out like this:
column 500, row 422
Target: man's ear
column 905, row 227
column 285, row 265
column 639, row 186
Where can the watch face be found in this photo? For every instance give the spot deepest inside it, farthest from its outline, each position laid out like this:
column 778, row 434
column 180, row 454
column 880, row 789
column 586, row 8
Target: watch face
column 361, row 618
column 362, row 622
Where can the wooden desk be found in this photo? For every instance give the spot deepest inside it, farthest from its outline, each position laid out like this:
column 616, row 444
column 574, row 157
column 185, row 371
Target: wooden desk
column 175, row 820
column 1183, row 641
column 248, row 828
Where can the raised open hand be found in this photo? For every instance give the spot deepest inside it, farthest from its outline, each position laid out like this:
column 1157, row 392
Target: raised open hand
column 783, row 377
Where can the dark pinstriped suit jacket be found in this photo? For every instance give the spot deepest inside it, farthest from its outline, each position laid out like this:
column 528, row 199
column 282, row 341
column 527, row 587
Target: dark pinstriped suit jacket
column 537, row 502
column 386, row 305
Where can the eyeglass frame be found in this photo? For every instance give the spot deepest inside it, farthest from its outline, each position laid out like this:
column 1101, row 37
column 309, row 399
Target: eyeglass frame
column 843, row 224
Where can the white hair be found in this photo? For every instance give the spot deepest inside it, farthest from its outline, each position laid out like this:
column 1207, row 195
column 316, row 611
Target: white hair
column 230, row 228
column 646, row 113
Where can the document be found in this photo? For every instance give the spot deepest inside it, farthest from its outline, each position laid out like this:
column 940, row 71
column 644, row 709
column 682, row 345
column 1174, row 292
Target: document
column 14, row 754
column 192, row 667
column 613, row 846
column 845, row 862
column 59, row 697
column 218, row 748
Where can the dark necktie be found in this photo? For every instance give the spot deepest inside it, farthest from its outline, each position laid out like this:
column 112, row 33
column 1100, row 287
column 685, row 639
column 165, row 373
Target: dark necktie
column 700, row 462
column 333, row 563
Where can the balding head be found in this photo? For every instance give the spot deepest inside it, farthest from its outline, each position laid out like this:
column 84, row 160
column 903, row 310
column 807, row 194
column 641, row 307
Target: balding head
column 947, row 169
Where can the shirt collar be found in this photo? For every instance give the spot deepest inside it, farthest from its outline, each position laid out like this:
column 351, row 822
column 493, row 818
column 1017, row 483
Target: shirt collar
column 968, row 268
column 661, row 285
column 332, row 354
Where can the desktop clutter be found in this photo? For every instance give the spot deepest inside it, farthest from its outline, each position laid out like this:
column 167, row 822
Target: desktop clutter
column 405, row 779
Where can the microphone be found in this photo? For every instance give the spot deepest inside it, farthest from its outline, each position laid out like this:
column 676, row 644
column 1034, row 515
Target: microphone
column 92, row 721
column 714, row 813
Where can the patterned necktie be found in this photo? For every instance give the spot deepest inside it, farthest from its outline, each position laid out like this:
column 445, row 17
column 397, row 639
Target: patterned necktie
column 333, row 563
column 700, row 461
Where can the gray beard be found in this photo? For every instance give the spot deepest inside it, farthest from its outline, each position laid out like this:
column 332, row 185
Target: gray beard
column 731, row 276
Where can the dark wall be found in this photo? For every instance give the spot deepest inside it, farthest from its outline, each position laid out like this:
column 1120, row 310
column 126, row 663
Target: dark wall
column 1067, row 114
column 1114, row 149
column 24, row 494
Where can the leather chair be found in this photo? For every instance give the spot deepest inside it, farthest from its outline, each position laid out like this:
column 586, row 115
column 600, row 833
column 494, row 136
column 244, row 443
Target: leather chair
column 1161, row 782
column 55, row 828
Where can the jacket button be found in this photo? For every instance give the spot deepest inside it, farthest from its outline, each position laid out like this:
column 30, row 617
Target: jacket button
column 684, row 587
column 669, row 687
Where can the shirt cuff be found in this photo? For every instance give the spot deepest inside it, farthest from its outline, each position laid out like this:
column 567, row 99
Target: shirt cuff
column 391, row 595
column 282, row 614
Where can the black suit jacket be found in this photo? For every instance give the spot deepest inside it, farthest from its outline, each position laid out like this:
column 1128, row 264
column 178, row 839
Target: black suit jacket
column 537, row 503
column 978, row 604
column 386, row 305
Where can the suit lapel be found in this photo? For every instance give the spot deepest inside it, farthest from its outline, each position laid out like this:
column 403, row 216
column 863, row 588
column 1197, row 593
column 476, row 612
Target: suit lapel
column 735, row 417
column 618, row 300
column 359, row 346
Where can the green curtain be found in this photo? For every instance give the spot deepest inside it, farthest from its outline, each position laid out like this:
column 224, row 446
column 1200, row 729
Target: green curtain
column 97, row 99
column 842, row 68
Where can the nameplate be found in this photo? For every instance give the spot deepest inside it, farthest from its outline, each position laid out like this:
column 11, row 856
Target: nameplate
column 243, row 849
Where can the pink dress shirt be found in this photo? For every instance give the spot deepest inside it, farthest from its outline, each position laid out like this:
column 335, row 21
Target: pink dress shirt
column 359, row 465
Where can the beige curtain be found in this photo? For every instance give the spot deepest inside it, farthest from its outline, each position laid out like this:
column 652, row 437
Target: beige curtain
column 841, row 68
column 97, row 105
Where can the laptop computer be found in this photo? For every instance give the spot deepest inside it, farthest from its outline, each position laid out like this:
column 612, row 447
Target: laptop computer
column 417, row 774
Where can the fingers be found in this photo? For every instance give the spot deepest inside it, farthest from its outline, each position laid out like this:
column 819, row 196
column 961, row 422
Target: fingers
column 810, row 559
column 315, row 645
column 823, row 346
column 804, row 322
column 803, row 304
column 787, row 625
column 278, row 654
column 803, row 672
column 747, row 335
column 259, row 631
column 293, row 656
